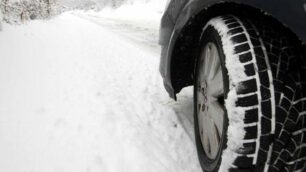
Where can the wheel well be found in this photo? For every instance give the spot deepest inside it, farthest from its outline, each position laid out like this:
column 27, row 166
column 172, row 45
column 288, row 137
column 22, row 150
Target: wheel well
column 184, row 51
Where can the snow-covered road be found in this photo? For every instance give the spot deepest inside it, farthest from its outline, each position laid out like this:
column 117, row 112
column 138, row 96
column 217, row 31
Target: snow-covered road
column 81, row 93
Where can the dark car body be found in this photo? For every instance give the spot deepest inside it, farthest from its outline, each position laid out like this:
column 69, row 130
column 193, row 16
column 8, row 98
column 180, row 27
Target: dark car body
column 183, row 21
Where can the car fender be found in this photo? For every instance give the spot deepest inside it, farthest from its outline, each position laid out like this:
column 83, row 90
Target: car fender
column 291, row 13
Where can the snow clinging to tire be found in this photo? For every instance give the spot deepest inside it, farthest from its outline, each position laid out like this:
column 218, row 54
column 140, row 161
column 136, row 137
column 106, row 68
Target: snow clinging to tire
column 236, row 131
column 250, row 78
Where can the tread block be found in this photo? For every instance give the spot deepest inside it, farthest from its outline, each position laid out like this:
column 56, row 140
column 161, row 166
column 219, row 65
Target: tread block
column 261, row 63
column 235, row 31
column 274, row 156
column 289, row 125
column 285, row 135
column 286, row 103
column 242, row 48
column 260, row 167
column 246, row 87
column 278, row 128
column 265, row 93
column 249, row 69
column 251, row 116
column 264, row 78
column 265, row 126
column 299, row 124
column 278, row 145
column 255, row 42
column 285, row 155
column 265, row 142
column 304, row 139
column 303, row 152
column 250, row 146
column 246, row 101
column 277, row 97
column 251, row 132
column 273, row 169
column 243, row 162
column 262, row 156
column 280, row 163
column 252, row 33
column 266, row 108
column 297, row 138
column 241, row 169
column 299, row 106
column 259, row 52
column 278, row 85
column 246, row 150
column 233, row 25
column 300, row 165
column 245, row 57
column 294, row 115
column 281, row 114
column 291, row 168
column 273, row 59
column 286, row 169
column 230, row 20
column 239, row 38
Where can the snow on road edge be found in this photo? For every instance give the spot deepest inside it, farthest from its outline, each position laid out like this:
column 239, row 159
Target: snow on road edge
column 87, row 101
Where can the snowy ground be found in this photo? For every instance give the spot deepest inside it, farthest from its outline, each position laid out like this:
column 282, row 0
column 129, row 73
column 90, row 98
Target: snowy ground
column 82, row 93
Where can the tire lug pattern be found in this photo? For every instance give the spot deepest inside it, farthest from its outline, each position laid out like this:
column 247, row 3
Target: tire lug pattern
column 272, row 95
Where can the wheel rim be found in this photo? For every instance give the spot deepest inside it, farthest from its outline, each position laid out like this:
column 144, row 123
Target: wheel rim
column 210, row 100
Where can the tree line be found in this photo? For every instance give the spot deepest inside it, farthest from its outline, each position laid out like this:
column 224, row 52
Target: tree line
column 22, row 10
column 18, row 11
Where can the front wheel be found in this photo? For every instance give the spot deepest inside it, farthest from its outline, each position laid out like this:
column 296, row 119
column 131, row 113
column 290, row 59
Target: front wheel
column 244, row 100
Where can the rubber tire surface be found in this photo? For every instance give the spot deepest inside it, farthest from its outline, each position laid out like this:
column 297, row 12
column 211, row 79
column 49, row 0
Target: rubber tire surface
column 265, row 71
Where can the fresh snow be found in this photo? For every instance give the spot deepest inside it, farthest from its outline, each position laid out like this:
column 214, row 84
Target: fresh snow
column 82, row 93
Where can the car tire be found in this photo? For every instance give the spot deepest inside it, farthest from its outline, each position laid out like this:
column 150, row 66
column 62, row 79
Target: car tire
column 259, row 125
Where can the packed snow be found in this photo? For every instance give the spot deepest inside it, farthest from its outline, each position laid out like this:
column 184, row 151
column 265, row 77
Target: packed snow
column 82, row 93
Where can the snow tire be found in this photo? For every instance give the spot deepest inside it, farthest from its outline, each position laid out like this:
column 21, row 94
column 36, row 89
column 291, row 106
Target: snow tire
column 264, row 100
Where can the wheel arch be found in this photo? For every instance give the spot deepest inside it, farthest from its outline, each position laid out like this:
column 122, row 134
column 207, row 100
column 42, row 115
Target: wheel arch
column 187, row 31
